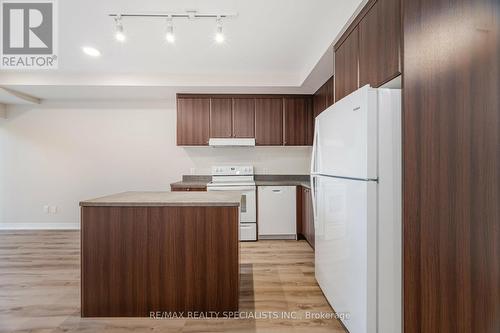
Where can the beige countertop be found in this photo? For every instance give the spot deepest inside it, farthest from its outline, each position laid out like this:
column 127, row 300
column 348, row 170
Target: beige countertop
column 260, row 180
column 152, row 199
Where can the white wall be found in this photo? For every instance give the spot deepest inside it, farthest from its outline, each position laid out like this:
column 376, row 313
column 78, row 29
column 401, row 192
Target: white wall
column 60, row 153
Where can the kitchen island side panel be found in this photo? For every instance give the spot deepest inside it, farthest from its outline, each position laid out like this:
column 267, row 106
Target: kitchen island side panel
column 136, row 260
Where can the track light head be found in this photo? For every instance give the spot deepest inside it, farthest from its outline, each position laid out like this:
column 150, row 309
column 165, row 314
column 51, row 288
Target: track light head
column 169, row 36
column 219, row 35
column 119, row 34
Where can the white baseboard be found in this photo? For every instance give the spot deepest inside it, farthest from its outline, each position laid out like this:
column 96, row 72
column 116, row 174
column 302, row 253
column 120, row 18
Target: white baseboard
column 39, row 226
column 275, row 237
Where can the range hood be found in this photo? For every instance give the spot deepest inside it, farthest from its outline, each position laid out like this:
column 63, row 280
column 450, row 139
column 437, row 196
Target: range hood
column 231, row 142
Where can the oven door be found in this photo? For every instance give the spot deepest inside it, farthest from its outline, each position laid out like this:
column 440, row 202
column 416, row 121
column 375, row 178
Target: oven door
column 248, row 208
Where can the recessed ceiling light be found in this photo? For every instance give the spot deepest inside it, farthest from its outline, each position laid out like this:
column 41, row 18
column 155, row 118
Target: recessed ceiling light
column 93, row 52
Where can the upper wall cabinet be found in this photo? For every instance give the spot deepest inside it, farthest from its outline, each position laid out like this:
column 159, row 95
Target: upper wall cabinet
column 221, row 117
column 193, row 121
column 329, row 93
column 269, row 121
column 319, row 103
column 369, row 52
column 244, row 117
column 346, row 66
column 232, row 117
column 323, row 97
column 273, row 120
column 298, row 121
column 379, row 43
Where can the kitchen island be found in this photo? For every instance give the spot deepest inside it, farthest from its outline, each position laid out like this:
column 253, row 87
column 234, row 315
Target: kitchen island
column 147, row 252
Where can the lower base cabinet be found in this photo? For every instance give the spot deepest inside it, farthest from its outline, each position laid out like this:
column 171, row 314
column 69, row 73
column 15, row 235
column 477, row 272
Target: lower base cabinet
column 184, row 189
column 137, row 260
column 306, row 214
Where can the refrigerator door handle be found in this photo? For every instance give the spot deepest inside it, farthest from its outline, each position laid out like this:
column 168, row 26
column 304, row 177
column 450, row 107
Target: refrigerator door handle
column 314, row 163
column 313, row 198
column 314, row 149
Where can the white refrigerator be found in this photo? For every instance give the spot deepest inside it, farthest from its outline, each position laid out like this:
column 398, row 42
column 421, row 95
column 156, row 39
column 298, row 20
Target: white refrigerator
column 356, row 190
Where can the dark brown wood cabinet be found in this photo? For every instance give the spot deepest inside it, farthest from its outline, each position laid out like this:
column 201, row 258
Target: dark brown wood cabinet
column 298, row 121
column 329, row 92
column 193, row 121
column 189, row 189
column 369, row 52
column 243, row 117
column 318, row 104
column 232, row 117
column 135, row 260
column 323, row 97
column 305, row 215
column 269, row 121
column 221, row 117
column 346, row 66
column 379, row 43
column 451, row 166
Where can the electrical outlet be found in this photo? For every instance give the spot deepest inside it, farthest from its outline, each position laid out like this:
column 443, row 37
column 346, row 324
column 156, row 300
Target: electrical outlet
column 46, row 209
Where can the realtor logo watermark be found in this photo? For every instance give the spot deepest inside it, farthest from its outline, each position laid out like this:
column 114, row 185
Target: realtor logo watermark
column 29, row 34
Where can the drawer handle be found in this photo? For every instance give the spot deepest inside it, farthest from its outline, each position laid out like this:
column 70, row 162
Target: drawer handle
column 246, row 227
column 277, row 191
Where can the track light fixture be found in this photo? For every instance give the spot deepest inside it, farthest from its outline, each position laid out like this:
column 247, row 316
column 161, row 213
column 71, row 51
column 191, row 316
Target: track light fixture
column 169, row 35
column 219, row 35
column 119, row 35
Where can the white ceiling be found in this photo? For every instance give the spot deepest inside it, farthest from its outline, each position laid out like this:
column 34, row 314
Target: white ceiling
column 272, row 44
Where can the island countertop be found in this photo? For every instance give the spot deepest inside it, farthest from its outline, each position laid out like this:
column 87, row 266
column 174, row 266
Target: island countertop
column 151, row 199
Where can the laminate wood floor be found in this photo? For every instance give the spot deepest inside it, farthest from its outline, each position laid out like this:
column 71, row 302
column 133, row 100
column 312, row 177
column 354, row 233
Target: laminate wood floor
column 40, row 289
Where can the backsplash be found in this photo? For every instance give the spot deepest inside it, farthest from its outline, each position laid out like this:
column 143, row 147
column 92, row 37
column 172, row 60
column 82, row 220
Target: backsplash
column 266, row 160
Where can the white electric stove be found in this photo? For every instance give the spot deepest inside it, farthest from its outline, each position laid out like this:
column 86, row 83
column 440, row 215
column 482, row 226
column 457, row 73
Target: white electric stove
column 239, row 178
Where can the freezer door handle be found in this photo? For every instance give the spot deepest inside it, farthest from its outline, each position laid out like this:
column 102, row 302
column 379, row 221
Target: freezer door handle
column 313, row 198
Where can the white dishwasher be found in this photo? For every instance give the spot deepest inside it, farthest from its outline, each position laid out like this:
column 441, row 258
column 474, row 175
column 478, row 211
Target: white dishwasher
column 276, row 211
